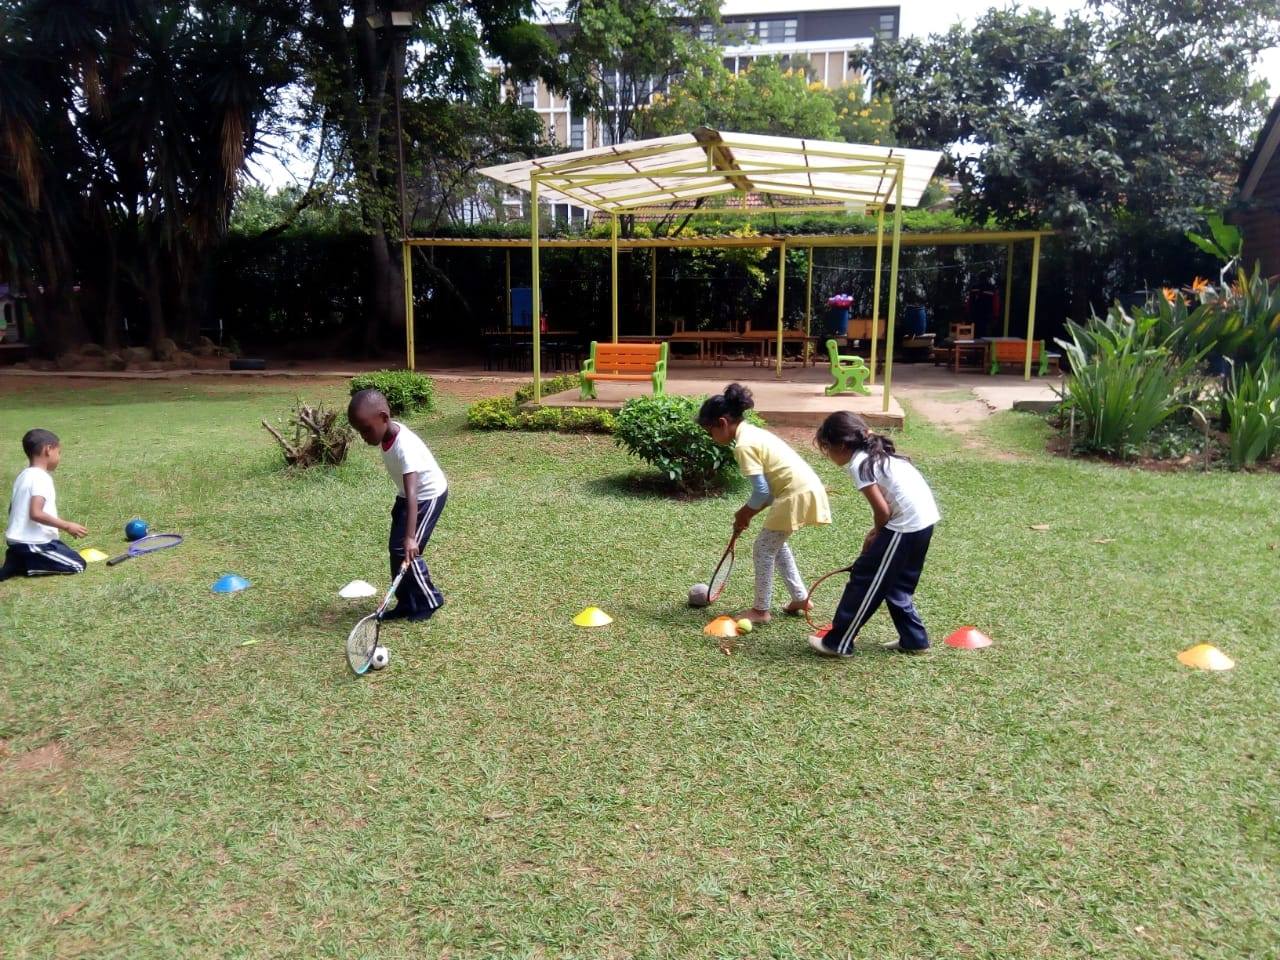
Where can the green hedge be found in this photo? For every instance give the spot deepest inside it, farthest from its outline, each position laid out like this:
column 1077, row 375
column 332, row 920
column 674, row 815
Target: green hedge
column 504, row 413
column 406, row 391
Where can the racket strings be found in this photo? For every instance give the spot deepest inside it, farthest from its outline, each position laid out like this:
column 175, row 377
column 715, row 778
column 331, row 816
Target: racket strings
column 158, row 541
column 720, row 577
column 362, row 641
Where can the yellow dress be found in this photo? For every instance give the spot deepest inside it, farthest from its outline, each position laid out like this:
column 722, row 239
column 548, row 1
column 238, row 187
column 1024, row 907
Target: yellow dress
column 799, row 498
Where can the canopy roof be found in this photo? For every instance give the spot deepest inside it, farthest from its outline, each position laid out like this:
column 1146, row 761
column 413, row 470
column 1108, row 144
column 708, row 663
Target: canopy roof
column 669, row 171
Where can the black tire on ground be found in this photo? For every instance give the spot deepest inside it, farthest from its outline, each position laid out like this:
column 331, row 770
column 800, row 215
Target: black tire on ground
column 247, row 363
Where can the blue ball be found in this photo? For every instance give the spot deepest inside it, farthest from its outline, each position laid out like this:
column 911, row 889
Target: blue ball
column 135, row 529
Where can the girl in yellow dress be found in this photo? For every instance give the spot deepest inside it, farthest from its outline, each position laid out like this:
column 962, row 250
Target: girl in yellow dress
column 781, row 481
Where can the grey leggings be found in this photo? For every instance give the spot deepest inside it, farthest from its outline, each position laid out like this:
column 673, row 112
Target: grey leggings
column 771, row 549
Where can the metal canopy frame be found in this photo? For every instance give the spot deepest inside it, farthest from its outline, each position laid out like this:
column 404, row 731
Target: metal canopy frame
column 707, row 163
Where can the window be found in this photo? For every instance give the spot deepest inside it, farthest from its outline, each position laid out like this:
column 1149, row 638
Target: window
column 577, row 129
column 528, row 94
column 774, row 31
column 562, row 212
column 888, row 22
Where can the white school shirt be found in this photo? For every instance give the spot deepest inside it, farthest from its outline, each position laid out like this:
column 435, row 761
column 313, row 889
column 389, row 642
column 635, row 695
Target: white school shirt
column 911, row 503
column 408, row 454
column 31, row 482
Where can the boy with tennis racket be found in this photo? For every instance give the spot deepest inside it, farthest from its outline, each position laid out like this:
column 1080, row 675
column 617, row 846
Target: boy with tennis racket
column 421, row 491
column 32, row 545
column 892, row 558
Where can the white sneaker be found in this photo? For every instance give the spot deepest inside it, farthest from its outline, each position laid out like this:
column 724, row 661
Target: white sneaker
column 819, row 646
column 895, row 646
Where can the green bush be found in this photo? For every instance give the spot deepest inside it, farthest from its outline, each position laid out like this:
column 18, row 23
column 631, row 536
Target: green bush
column 406, row 391
column 1125, row 381
column 550, row 385
column 504, row 413
column 663, row 431
column 1251, row 407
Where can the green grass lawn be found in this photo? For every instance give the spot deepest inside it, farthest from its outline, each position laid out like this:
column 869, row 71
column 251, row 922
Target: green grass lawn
column 514, row 786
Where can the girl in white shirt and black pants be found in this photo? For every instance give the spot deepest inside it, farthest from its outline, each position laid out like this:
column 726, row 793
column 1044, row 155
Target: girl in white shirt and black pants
column 893, row 553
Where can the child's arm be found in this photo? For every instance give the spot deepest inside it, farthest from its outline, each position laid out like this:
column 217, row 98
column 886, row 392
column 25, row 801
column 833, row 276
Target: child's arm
column 760, row 498
column 879, row 509
column 39, row 516
column 411, row 517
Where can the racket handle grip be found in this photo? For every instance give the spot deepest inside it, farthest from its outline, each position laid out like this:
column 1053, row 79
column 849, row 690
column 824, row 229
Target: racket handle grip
column 120, row 559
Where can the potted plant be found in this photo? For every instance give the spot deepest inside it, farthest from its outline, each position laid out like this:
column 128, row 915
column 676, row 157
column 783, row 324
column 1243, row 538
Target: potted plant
column 837, row 324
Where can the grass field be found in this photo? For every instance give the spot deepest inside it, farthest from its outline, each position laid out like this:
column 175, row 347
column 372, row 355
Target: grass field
column 517, row 787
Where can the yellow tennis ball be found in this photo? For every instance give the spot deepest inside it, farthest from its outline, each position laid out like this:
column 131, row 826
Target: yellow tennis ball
column 744, row 625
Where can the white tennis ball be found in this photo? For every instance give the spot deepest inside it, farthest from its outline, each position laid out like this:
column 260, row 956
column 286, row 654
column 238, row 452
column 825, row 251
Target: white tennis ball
column 698, row 595
column 381, row 657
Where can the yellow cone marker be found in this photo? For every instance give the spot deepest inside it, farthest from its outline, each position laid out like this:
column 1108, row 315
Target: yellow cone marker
column 592, row 617
column 92, row 555
column 1205, row 656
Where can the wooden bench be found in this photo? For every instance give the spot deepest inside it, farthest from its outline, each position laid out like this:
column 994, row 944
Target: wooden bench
column 1013, row 352
column 629, row 362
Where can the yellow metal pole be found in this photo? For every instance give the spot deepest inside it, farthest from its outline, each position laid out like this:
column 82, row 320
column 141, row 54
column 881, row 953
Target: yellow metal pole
column 808, row 305
column 782, row 293
column 1008, row 288
column 875, row 294
column 537, row 290
column 406, row 259
column 653, row 292
column 613, row 258
column 893, row 286
column 508, row 291
column 1031, row 305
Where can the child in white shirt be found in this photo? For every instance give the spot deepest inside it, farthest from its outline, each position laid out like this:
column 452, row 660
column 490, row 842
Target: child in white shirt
column 421, row 492
column 31, row 538
column 893, row 553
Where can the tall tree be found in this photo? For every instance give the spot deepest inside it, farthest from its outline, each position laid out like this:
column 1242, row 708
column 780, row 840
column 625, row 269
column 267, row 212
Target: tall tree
column 349, row 60
column 1127, row 108
column 125, row 129
column 616, row 54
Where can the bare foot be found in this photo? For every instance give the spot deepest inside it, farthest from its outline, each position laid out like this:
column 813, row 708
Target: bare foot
column 755, row 616
column 797, row 607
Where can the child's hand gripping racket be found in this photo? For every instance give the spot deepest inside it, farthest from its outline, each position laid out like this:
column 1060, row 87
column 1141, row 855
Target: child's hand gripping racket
column 820, row 625
column 362, row 641
column 145, row 545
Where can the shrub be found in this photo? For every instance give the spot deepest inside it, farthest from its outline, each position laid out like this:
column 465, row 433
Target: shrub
column 503, row 413
column 1251, row 407
column 1124, row 382
column 406, row 391
column 320, row 436
column 663, row 431
column 550, row 385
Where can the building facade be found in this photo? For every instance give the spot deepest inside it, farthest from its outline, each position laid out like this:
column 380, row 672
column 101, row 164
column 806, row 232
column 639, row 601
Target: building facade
column 822, row 33
column 1258, row 202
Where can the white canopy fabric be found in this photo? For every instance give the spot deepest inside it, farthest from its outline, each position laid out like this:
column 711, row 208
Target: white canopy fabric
column 707, row 163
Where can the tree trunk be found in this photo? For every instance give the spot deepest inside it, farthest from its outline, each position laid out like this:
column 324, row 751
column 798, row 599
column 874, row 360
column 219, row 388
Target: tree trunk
column 58, row 325
column 387, row 277
column 156, row 330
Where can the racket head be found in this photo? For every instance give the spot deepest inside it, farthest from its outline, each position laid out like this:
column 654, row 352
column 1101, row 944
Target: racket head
column 362, row 641
column 814, row 619
column 154, row 542
column 720, row 576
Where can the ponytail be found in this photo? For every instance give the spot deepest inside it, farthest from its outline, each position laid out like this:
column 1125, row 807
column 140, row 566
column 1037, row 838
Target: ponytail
column 730, row 405
column 848, row 431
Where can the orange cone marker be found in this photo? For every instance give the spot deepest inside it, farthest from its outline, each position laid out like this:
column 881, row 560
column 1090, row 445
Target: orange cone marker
column 968, row 638
column 721, row 627
column 1205, row 656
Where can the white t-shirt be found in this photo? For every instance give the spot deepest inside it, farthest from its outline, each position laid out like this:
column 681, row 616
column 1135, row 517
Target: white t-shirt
column 408, row 454
column 911, row 503
column 31, row 482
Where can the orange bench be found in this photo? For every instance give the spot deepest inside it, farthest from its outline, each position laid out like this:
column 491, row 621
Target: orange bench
column 630, row 362
column 1014, row 352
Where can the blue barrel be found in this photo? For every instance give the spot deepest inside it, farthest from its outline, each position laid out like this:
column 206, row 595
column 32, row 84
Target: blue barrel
column 916, row 321
column 837, row 322
column 522, row 308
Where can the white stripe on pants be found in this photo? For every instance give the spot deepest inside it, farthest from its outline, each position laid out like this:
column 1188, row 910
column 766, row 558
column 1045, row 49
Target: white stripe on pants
column 769, row 549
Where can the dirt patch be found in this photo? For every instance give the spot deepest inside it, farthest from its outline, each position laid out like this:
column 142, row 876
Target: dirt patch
column 47, row 759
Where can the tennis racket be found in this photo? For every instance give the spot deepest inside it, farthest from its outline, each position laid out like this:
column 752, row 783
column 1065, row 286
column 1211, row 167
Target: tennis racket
column 140, row 548
column 362, row 641
column 720, row 576
column 811, row 607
